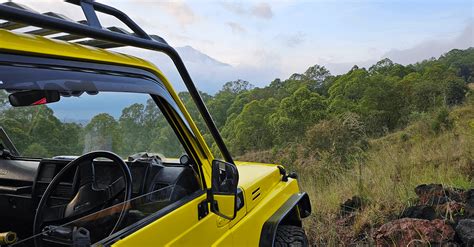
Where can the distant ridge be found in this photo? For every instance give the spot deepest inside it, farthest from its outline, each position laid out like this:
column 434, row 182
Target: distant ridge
column 192, row 55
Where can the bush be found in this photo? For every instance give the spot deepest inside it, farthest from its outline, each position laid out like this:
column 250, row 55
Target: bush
column 455, row 92
column 36, row 150
column 342, row 139
column 442, row 121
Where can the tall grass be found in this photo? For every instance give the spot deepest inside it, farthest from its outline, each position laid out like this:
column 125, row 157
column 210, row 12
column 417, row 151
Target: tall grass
column 393, row 166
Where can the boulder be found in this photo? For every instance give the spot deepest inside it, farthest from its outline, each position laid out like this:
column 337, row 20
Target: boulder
column 469, row 197
column 434, row 194
column 419, row 212
column 465, row 232
column 414, row 232
column 351, row 205
column 452, row 211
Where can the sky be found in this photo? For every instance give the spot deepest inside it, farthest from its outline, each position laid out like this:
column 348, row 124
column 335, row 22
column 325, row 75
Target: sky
column 259, row 41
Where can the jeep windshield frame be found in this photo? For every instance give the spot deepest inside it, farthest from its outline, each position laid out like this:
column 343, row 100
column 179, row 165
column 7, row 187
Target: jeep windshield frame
column 23, row 72
column 19, row 17
column 27, row 72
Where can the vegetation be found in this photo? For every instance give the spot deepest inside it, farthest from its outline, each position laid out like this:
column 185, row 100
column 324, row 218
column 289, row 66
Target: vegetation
column 375, row 133
column 385, row 131
column 37, row 132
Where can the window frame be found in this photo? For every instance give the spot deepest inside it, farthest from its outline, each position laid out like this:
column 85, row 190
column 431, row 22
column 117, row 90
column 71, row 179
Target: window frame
column 157, row 91
column 160, row 96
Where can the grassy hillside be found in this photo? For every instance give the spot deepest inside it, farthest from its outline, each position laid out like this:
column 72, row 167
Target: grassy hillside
column 372, row 133
column 385, row 178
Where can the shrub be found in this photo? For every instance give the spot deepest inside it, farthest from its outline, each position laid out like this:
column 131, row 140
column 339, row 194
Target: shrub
column 442, row 121
column 342, row 139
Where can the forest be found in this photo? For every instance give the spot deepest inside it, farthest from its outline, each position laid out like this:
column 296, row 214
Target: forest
column 368, row 131
column 308, row 108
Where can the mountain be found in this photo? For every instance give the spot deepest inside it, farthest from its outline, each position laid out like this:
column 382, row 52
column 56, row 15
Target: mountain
column 191, row 55
column 208, row 73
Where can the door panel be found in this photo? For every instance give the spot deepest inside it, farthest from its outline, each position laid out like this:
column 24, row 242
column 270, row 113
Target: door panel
column 180, row 227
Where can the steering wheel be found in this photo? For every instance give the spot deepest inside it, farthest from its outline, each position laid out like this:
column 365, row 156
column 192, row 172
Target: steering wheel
column 88, row 196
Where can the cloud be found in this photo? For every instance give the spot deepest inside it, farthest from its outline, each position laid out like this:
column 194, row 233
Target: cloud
column 181, row 11
column 234, row 7
column 432, row 48
column 424, row 50
column 236, row 27
column 292, row 40
column 178, row 9
column 260, row 10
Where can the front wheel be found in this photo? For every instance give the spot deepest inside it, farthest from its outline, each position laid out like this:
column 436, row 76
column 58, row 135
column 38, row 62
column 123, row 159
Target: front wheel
column 290, row 236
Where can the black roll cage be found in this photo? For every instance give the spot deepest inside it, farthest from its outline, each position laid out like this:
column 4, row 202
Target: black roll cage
column 111, row 37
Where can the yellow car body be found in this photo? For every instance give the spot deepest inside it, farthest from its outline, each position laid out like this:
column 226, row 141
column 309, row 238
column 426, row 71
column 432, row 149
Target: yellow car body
column 266, row 189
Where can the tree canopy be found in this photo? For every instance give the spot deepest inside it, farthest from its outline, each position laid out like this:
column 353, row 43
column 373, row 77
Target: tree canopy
column 379, row 99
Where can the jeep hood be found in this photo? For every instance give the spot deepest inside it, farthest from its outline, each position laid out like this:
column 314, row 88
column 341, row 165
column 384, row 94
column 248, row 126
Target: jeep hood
column 256, row 180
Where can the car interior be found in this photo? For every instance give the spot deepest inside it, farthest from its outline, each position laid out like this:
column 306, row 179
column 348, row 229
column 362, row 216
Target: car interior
column 155, row 183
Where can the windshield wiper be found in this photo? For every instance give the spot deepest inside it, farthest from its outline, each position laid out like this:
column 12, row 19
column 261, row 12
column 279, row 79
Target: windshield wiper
column 7, row 148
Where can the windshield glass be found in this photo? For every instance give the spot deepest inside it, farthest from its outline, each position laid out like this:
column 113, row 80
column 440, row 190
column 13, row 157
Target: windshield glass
column 124, row 123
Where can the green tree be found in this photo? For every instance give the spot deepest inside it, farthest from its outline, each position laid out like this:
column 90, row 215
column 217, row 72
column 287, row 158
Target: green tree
column 102, row 133
column 27, row 125
column 382, row 104
column 296, row 113
column 165, row 142
column 250, row 129
column 455, row 92
column 347, row 90
column 222, row 101
column 388, row 68
column 462, row 61
column 36, row 150
column 3, row 99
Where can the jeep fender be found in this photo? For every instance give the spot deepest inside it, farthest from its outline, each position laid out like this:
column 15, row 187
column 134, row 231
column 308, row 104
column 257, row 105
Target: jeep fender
column 290, row 213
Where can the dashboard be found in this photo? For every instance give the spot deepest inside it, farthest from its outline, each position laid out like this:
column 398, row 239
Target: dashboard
column 23, row 182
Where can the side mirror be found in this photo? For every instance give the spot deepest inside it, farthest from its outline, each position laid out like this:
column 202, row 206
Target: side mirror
column 33, row 97
column 225, row 178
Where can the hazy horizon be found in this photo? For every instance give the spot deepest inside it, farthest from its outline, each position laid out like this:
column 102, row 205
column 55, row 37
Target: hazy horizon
column 259, row 41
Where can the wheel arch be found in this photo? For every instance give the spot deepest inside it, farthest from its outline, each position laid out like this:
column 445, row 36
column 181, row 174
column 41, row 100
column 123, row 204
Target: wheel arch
column 291, row 212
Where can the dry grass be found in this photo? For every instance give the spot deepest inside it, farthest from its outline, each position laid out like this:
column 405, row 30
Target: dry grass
column 394, row 166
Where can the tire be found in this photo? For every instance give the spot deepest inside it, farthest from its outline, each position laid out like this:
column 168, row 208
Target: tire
column 290, row 236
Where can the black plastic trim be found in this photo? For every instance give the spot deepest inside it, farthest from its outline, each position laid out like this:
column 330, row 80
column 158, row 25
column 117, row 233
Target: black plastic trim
column 203, row 209
column 269, row 228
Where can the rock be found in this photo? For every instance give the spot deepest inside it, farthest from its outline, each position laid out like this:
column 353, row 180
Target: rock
column 455, row 194
column 351, row 205
column 434, row 194
column 469, row 197
column 451, row 211
column 414, row 232
column 430, row 193
column 419, row 212
column 465, row 232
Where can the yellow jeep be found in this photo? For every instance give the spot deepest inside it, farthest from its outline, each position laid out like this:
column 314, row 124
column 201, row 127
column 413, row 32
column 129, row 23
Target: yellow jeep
column 85, row 140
